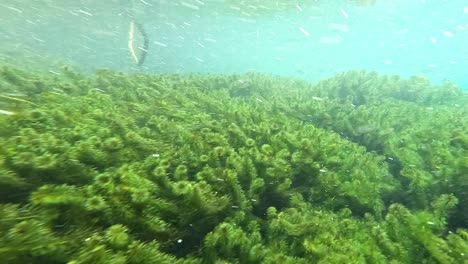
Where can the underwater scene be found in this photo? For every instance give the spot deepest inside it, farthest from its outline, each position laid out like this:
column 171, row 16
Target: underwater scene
column 233, row 131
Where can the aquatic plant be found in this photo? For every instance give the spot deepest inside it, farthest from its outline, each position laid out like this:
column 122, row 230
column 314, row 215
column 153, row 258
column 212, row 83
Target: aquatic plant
column 165, row 168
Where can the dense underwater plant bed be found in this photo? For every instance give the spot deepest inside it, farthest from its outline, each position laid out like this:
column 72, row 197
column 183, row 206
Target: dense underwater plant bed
column 120, row 168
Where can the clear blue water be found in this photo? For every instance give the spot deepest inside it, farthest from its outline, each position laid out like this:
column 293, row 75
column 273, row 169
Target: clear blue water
column 310, row 40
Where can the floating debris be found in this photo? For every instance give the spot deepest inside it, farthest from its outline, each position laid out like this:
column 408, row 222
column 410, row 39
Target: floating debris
column 343, row 12
column 304, row 31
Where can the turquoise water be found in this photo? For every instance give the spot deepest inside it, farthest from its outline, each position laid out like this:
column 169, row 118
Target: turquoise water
column 233, row 131
column 311, row 40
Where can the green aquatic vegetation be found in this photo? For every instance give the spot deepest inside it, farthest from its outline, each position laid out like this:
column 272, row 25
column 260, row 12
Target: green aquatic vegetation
column 46, row 161
column 54, row 195
column 113, row 144
column 408, row 121
column 183, row 188
column 26, row 235
column 95, row 204
column 181, row 173
column 29, row 237
column 17, row 100
column 230, row 242
column 118, row 168
column 117, row 236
